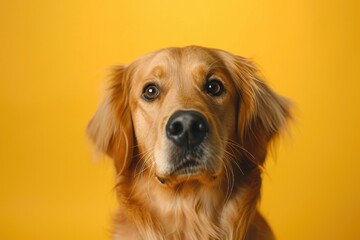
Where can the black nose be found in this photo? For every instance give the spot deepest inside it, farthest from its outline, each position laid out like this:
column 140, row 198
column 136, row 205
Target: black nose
column 187, row 128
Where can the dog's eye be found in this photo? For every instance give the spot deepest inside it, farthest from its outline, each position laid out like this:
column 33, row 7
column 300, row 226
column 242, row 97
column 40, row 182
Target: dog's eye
column 150, row 92
column 214, row 87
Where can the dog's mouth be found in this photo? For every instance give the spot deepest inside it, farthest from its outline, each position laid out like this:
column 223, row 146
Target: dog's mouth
column 190, row 167
column 189, row 162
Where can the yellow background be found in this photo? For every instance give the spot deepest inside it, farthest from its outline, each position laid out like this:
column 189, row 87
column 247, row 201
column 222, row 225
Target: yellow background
column 54, row 57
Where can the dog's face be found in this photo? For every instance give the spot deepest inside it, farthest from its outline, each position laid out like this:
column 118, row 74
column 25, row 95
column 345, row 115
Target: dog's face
column 187, row 114
column 183, row 107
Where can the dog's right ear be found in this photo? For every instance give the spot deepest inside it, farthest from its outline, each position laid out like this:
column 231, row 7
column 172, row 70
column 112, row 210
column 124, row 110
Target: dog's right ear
column 111, row 128
column 262, row 114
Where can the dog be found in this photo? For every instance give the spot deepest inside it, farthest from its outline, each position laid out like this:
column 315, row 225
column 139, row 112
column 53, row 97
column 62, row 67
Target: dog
column 188, row 130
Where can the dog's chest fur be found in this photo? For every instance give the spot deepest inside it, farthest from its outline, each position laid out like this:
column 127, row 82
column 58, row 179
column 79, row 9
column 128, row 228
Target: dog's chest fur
column 191, row 213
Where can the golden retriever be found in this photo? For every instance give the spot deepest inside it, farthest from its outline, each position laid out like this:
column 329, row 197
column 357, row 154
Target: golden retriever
column 188, row 130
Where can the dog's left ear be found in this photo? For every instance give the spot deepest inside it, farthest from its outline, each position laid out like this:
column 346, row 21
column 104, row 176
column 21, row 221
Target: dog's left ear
column 111, row 128
column 262, row 113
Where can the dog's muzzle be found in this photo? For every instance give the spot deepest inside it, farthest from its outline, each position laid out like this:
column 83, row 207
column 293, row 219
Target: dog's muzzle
column 189, row 158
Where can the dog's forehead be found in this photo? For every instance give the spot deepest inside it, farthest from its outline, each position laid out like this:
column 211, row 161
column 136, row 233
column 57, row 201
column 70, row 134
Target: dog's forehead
column 194, row 59
column 183, row 70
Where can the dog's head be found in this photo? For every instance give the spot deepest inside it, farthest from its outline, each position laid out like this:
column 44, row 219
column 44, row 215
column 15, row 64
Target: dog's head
column 187, row 114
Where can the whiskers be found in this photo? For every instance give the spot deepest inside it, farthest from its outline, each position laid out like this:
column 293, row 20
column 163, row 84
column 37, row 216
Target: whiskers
column 144, row 164
column 237, row 149
column 144, row 161
column 234, row 156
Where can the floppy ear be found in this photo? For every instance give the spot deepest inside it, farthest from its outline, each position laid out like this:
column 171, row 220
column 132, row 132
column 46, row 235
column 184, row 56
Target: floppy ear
column 262, row 113
column 111, row 128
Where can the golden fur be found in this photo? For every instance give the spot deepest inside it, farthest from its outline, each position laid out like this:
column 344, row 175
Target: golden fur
column 217, row 201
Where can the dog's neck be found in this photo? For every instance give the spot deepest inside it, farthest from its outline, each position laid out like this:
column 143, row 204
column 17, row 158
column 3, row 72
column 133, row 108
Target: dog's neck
column 188, row 210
